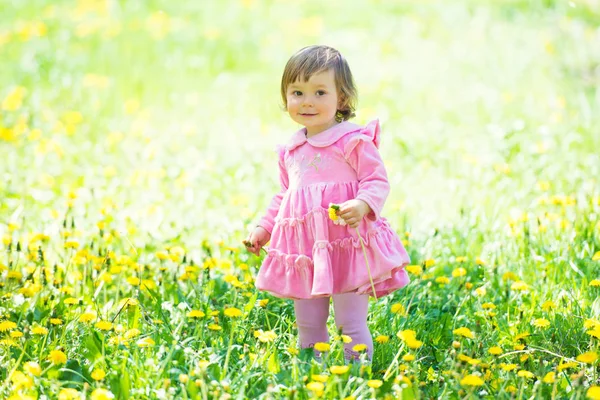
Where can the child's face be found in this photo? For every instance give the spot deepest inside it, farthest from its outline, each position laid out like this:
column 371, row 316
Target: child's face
column 314, row 103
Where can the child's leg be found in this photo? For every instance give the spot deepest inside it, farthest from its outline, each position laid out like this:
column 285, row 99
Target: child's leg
column 311, row 318
column 351, row 317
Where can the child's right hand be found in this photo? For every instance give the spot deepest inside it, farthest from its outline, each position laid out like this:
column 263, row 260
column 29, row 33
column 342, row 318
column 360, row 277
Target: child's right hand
column 257, row 239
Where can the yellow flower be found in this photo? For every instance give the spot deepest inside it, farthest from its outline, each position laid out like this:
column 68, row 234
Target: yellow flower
column 71, row 244
column 20, row 380
column 195, row 314
column 293, row 351
column 465, row 332
column 495, row 350
column 104, row 325
column 471, row 380
column 332, row 210
column 68, row 394
column 346, row 339
column 488, row 306
column 102, row 394
column 233, row 312
column 408, row 357
column 588, row 357
column 593, row 393
column 596, row 256
column 316, row 387
column 339, row 370
column 374, row 383
column 442, row 280
column 519, row 286
column 548, row 305
column 57, row 357
column 87, row 317
column 214, row 327
column 525, row 374
column 414, row 269
column 407, row 334
column 458, row 272
column 359, row 347
column 570, row 364
column 509, row 276
column 541, row 323
column 265, row 337
column 382, row 339
column 595, row 333
column 146, row 342
column 322, row 347
column 131, row 333
column 56, row 321
column 319, row 378
column 7, row 326
column 398, row 308
column 550, row 377
column 98, row 374
column 32, row 368
column 414, row 344
column 39, row 330
column 429, row 262
column 71, row 300
column 508, row 367
column 595, row 282
column 521, row 336
column 461, row 259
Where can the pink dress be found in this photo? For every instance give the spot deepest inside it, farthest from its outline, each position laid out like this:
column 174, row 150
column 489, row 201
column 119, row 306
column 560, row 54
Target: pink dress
column 310, row 256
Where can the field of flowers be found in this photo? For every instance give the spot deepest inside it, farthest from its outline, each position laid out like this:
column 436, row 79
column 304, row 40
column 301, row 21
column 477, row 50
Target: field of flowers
column 136, row 151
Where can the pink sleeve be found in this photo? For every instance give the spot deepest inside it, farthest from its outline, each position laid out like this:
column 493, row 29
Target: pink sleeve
column 268, row 220
column 361, row 153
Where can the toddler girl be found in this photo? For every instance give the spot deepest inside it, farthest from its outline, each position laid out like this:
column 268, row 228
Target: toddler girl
column 330, row 160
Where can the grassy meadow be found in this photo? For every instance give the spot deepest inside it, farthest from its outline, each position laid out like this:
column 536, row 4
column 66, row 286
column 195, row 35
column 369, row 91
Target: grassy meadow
column 137, row 150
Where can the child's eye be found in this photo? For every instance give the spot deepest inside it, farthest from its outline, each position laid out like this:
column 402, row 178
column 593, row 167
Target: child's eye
column 321, row 92
column 297, row 93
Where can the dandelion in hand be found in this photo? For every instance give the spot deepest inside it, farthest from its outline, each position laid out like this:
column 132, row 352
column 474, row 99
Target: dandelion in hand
column 333, row 210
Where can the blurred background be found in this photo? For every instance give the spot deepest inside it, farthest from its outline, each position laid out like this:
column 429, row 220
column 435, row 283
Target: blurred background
column 161, row 117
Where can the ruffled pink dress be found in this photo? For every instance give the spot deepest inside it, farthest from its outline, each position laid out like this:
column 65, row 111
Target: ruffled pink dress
column 310, row 256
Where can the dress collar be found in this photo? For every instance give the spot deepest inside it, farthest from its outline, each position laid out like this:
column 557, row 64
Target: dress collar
column 322, row 139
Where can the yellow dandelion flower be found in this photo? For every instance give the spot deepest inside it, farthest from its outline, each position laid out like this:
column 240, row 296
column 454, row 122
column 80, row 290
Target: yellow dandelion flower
column 413, row 343
column 508, row 367
column 414, row 269
column 293, row 351
column 567, row 365
column 593, row 393
column 265, row 337
column 195, row 314
column 521, row 336
column 488, row 306
column 464, row 332
column 32, row 368
column 319, row 378
column 102, row 394
column 509, row 276
column 496, row 351
column 525, row 374
column 595, row 333
column 145, row 342
column 131, row 333
column 322, row 347
column 407, row 334
column 39, row 330
column 541, row 323
column 374, row 383
column 443, row 280
column 346, row 339
column 589, row 358
column 550, row 377
column 71, row 301
column 398, row 308
column 472, row 380
column 16, row 334
column 316, row 388
column 548, row 305
column 479, row 261
column 87, row 317
column 381, row 339
column 98, row 374
column 233, row 312
column 596, row 256
column 429, row 263
column 57, row 357
column 56, row 321
column 595, row 282
column 458, row 272
column 520, row 286
column 339, row 369
column 332, row 211
column 7, row 326
column 215, row 327
column 104, row 325
column 71, row 244
column 359, row 347
column 408, row 357
column 68, row 394
column 461, row 259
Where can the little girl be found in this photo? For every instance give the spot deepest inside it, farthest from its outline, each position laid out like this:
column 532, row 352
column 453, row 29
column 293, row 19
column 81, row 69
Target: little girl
column 330, row 160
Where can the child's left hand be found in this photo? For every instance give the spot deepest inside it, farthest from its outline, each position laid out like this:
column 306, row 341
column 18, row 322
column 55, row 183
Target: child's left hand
column 353, row 211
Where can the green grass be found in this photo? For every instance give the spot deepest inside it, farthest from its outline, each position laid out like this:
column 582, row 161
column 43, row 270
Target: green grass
column 149, row 125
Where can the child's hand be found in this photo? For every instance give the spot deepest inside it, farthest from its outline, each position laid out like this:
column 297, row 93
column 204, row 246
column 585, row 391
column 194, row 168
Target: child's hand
column 353, row 211
column 256, row 240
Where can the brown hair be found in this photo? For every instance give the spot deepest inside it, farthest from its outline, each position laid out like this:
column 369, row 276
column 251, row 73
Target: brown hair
column 314, row 59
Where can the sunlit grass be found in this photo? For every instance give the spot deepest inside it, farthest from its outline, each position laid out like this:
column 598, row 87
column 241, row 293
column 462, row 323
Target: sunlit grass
column 136, row 148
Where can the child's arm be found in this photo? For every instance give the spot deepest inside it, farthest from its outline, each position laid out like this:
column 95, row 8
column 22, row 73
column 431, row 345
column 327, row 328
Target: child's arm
column 262, row 232
column 362, row 155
